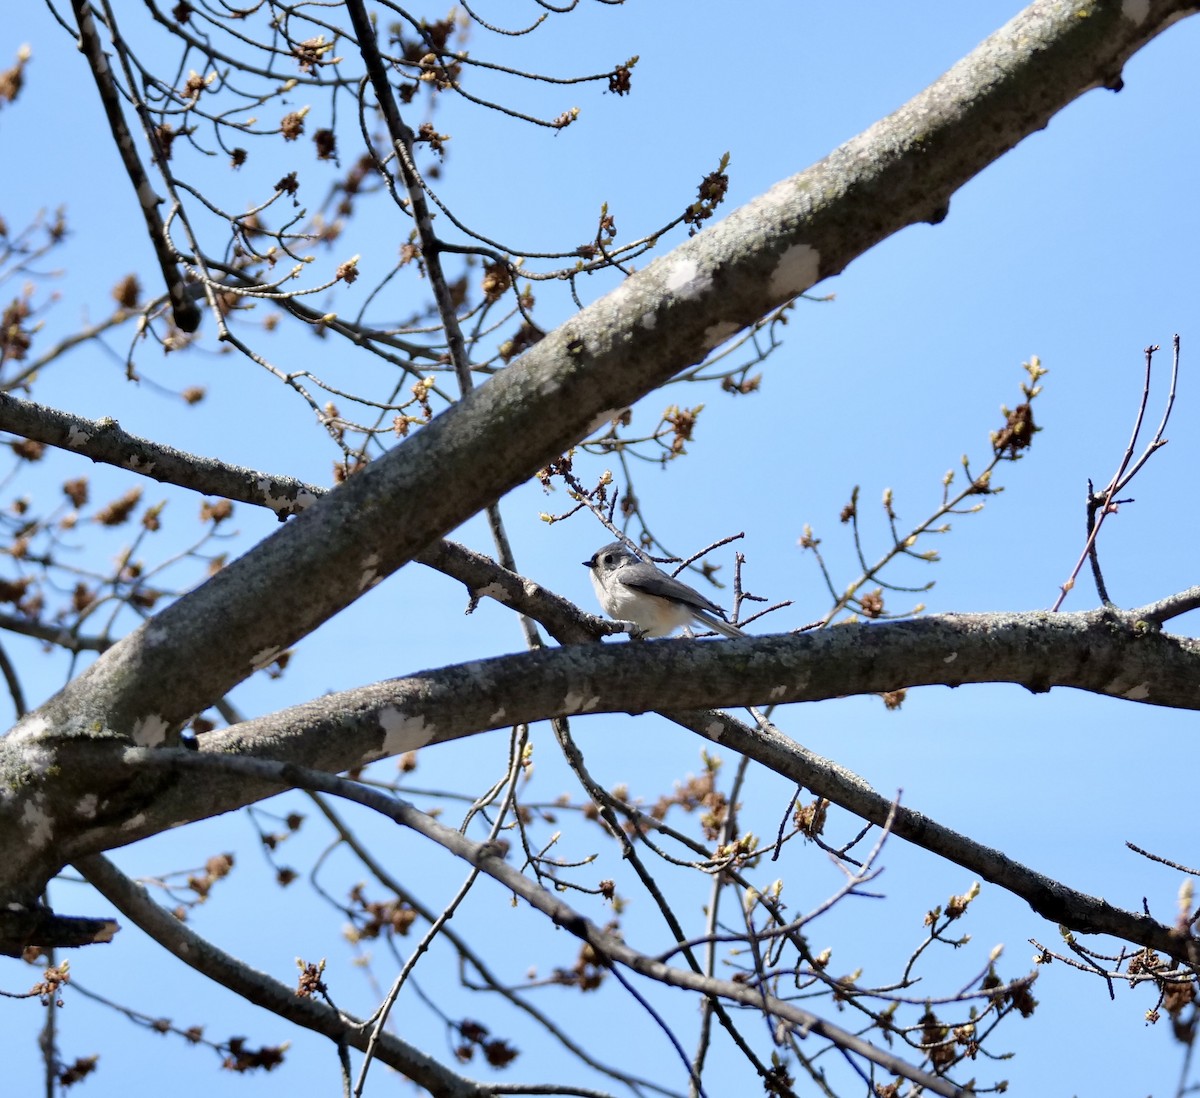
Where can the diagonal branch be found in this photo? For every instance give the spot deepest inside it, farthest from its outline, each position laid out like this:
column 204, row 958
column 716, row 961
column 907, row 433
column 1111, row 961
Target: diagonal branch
column 402, row 144
column 104, row 440
column 184, row 310
column 902, row 170
column 135, row 904
column 489, row 860
column 662, row 319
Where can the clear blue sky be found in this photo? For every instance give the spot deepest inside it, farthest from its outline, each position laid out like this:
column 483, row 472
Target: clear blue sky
column 1077, row 247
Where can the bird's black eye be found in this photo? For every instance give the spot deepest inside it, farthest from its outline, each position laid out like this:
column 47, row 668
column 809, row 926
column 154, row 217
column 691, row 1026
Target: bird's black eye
column 608, row 558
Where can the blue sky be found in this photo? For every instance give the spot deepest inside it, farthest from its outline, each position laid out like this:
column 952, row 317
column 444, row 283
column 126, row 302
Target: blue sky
column 1078, row 247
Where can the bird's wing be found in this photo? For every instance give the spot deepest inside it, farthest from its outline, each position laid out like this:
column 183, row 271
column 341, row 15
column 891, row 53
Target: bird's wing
column 653, row 582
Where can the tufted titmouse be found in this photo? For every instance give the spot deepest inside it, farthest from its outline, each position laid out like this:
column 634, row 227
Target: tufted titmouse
column 631, row 590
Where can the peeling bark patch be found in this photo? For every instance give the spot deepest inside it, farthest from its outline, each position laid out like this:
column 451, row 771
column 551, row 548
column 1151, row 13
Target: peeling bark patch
column 134, row 823
column 492, row 591
column 575, row 702
column 796, row 271
column 950, row 658
column 140, row 465
column 402, row 732
column 281, row 504
column 1137, row 693
column 685, row 280
column 276, row 503
column 714, row 730
column 1135, row 10
column 497, row 718
column 777, row 692
column 149, row 731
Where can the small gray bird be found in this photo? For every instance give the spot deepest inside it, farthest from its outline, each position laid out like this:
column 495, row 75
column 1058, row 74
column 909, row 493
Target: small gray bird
column 631, row 590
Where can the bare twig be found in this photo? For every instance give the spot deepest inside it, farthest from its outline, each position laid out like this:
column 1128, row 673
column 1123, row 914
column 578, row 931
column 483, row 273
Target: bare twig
column 1163, row 861
column 488, row 858
column 134, row 902
column 1102, row 504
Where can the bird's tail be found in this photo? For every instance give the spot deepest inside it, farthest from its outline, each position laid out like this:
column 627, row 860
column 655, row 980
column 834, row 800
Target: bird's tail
column 718, row 624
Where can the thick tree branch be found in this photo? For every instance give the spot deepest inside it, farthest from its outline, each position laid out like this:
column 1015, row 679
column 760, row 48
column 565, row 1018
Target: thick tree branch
column 1096, row 651
column 105, row 440
column 662, row 319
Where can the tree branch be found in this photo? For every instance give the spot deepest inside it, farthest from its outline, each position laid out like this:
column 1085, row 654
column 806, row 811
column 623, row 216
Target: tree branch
column 106, row 441
column 262, row 990
column 487, row 858
column 660, row 320
column 1097, row 651
column 183, row 308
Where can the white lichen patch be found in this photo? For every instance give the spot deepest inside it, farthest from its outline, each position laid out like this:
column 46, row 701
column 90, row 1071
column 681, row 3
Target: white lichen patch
column 497, row 718
column 402, row 732
column 38, row 759
column 950, row 658
column 1137, row 693
column 149, row 731
column 38, row 822
column 616, row 300
column 29, row 728
column 649, row 319
column 796, row 271
column 714, row 730
column 684, row 279
column 777, row 692
column 76, row 436
column 1135, row 10
column 86, row 808
column 155, row 633
column 134, row 823
column 576, row 702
